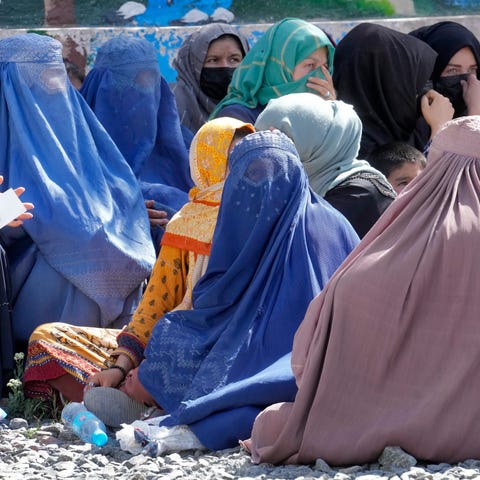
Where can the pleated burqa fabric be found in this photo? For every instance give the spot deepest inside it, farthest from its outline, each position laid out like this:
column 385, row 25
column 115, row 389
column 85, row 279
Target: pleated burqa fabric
column 387, row 354
column 275, row 246
column 85, row 254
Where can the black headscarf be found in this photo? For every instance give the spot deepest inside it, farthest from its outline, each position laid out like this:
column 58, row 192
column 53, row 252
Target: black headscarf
column 447, row 38
column 381, row 72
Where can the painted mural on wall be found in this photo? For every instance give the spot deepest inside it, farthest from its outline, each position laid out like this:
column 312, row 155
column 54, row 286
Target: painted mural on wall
column 167, row 22
column 26, row 13
column 167, row 12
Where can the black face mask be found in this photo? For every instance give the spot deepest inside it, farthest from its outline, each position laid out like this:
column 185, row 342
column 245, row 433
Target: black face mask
column 451, row 88
column 214, row 82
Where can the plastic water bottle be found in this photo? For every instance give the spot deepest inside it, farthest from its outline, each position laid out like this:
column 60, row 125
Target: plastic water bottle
column 85, row 424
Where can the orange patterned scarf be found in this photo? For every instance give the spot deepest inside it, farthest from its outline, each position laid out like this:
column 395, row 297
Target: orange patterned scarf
column 192, row 227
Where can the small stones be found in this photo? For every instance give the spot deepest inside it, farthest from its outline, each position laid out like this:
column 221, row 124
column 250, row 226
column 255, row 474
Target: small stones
column 393, row 458
column 52, row 451
column 17, row 423
column 322, row 466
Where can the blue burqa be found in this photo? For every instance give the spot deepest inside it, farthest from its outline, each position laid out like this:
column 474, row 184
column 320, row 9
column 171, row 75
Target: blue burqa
column 83, row 258
column 137, row 108
column 275, row 246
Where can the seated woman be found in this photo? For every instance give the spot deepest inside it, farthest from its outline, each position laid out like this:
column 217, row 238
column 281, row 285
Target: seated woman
column 84, row 257
column 214, row 366
column 456, row 71
column 387, row 354
column 291, row 56
column 134, row 103
column 383, row 74
column 327, row 136
column 61, row 357
column 205, row 63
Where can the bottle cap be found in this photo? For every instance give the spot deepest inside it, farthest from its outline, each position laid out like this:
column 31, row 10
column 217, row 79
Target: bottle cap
column 99, row 438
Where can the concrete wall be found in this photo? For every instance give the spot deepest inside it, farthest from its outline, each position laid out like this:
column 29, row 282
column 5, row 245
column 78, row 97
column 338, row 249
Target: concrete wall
column 81, row 43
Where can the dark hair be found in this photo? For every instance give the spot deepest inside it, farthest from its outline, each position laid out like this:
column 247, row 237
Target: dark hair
column 241, row 132
column 73, row 70
column 390, row 156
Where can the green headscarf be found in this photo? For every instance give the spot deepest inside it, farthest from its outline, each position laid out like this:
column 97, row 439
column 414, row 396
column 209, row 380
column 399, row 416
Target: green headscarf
column 266, row 71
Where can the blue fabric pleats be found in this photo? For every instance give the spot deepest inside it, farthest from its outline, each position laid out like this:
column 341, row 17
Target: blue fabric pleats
column 275, row 246
column 83, row 258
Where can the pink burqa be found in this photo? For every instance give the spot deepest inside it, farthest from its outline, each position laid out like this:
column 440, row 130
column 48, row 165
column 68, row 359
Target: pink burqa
column 389, row 353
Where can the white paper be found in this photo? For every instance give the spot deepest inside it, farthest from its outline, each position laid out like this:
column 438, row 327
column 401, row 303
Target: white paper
column 10, row 207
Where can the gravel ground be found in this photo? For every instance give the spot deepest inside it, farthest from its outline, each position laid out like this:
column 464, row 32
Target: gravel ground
column 52, row 451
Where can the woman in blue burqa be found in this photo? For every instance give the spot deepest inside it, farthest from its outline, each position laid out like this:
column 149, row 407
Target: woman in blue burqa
column 137, row 108
column 275, row 246
column 84, row 256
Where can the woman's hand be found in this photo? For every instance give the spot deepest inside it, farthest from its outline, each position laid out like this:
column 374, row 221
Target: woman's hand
column 471, row 94
column 24, row 216
column 27, row 205
column 437, row 110
column 111, row 377
column 158, row 218
column 323, row 87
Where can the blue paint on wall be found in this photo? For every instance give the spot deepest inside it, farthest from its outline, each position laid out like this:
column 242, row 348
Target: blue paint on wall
column 164, row 12
column 166, row 40
column 463, row 3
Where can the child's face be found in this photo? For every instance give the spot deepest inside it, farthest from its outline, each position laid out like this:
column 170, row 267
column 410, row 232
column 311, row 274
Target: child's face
column 403, row 175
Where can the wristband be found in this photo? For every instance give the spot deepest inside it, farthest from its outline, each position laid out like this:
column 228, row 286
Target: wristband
column 119, row 368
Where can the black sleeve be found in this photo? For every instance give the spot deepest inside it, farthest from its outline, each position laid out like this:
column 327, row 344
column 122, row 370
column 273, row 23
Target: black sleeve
column 361, row 206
